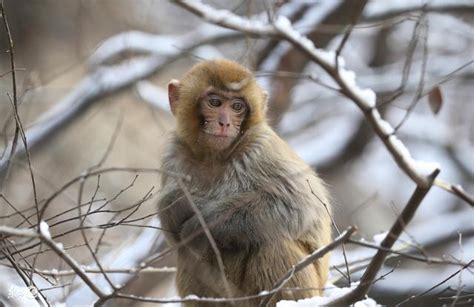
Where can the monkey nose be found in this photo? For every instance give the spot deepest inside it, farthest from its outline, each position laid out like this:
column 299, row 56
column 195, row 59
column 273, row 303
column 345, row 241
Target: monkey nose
column 224, row 124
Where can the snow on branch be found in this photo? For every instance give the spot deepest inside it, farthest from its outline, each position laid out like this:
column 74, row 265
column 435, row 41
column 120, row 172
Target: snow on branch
column 422, row 173
column 45, row 237
column 152, row 44
column 365, row 99
column 103, row 81
column 379, row 10
column 227, row 19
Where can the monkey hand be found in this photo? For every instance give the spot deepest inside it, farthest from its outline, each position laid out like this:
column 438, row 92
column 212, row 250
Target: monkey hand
column 193, row 235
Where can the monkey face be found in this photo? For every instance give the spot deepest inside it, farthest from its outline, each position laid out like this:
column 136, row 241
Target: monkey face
column 222, row 116
column 214, row 104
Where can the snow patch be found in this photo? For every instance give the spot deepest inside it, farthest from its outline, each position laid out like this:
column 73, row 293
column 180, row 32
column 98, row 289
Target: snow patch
column 385, row 126
column 44, row 229
column 332, row 292
column 378, row 238
column 421, row 167
column 366, row 96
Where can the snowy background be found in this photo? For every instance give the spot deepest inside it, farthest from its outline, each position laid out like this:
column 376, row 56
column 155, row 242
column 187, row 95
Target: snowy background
column 90, row 82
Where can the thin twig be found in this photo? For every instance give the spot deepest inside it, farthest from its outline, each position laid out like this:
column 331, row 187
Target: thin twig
column 29, row 233
column 343, row 237
column 437, row 285
column 11, row 52
column 348, row 273
column 208, row 234
column 376, row 263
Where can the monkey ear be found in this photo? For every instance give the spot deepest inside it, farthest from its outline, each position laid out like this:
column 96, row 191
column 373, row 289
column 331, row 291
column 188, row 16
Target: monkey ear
column 173, row 95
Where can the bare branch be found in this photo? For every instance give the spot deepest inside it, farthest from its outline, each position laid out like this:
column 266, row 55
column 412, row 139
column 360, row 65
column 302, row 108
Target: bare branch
column 369, row 276
column 438, row 284
column 456, row 190
column 45, row 237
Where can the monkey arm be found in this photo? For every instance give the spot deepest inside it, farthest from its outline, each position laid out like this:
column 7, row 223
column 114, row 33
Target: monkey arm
column 246, row 220
column 174, row 210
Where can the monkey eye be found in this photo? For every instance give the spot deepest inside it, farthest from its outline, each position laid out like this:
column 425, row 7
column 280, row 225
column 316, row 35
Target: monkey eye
column 237, row 106
column 215, row 101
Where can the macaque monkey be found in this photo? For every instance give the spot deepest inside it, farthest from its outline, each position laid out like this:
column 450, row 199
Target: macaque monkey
column 264, row 207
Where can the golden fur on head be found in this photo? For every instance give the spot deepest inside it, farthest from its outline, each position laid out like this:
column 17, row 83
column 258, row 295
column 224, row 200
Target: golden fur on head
column 222, row 75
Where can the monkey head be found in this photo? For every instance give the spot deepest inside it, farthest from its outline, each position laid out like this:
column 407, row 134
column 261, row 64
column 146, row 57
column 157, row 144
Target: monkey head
column 214, row 104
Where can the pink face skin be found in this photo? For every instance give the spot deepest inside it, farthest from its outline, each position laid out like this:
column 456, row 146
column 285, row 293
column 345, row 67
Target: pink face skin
column 223, row 114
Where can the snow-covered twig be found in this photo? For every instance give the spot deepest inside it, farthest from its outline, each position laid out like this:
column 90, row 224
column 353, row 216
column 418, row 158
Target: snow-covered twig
column 112, row 270
column 152, row 44
column 419, row 171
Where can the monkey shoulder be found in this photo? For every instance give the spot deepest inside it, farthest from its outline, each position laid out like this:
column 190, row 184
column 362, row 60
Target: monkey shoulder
column 270, row 154
column 275, row 167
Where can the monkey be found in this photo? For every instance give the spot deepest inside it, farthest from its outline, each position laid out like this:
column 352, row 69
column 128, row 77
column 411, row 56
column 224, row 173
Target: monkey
column 265, row 208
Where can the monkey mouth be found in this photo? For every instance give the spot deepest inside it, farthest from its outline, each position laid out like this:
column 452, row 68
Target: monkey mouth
column 218, row 141
column 219, row 135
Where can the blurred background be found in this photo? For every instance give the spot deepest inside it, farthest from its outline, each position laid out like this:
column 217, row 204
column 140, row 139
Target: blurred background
column 91, row 79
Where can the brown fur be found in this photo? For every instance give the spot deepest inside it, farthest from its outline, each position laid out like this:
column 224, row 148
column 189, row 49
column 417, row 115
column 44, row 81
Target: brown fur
column 255, row 196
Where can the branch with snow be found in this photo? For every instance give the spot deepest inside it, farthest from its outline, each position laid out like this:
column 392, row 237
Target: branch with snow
column 378, row 10
column 107, row 80
column 419, row 171
column 106, row 77
column 44, row 235
column 422, row 173
column 157, row 45
column 364, row 98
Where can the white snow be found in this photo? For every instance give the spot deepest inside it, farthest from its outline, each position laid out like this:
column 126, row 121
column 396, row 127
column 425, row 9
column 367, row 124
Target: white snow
column 191, row 297
column 348, row 76
column 366, row 96
column 421, row 167
column 425, row 168
column 312, row 17
column 378, row 238
column 133, row 41
column 44, row 229
column 332, row 292
column 283, row 23
column 375, row 9
column 153, row 94
column 400, row 148
column 385, row 126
